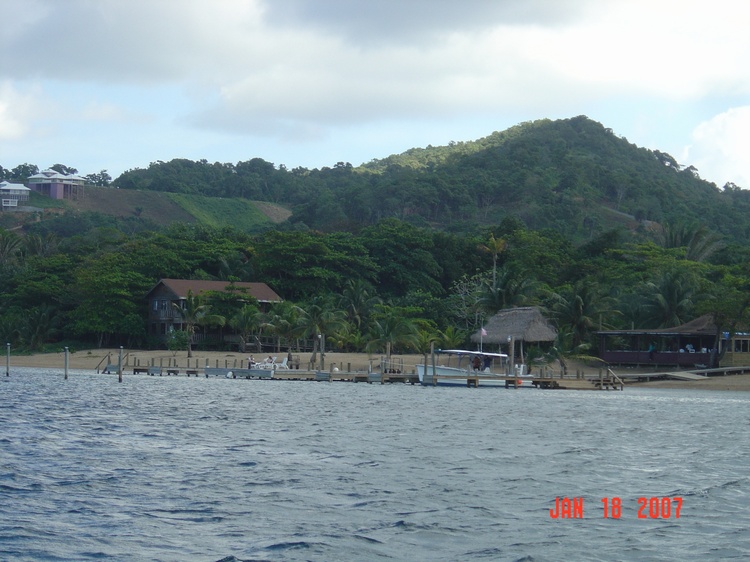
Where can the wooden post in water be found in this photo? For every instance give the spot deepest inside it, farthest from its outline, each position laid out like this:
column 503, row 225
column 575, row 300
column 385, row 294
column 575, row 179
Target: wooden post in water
column 323, row 352
column 66, row 363
column 119, row 366
column 434, row 368
column 7, row 359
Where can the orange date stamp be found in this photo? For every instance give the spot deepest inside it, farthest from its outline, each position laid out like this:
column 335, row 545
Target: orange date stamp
column 647, row 508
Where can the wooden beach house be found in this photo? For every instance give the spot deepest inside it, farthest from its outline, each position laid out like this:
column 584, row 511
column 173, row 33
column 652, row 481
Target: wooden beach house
column 163, row 315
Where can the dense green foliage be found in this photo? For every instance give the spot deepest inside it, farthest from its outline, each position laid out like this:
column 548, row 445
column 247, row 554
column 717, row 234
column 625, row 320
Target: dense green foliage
column 404, row 251
column 572, row 175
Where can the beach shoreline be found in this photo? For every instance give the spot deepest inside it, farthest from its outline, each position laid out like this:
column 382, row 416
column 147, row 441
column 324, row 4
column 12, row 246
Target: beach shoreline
column 98, row 359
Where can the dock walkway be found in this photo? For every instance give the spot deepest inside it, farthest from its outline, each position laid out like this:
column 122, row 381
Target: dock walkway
column 545, row 378
column 688, row 375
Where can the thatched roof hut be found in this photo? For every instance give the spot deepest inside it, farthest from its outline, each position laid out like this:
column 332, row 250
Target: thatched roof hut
column 524, row 324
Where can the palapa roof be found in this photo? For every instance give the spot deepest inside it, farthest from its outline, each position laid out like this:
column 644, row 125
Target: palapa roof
column 524, row 323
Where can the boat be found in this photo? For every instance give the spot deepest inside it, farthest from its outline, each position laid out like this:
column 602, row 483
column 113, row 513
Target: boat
column 492, row 371
column 256, row 370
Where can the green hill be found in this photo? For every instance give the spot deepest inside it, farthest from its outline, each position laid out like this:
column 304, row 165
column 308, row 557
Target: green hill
column 572, row 175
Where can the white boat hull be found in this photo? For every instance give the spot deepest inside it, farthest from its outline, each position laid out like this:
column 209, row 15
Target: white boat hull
column 453, row 376
column 239, row 373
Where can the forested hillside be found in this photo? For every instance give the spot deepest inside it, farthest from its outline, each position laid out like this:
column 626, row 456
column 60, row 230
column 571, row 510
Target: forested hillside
column 411, row 249
column 572, row 175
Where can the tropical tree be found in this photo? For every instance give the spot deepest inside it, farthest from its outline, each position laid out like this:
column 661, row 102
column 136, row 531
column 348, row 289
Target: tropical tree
column 404, row 255
column 284, row 321
column 102, row 296
column 463, row 301
column 699, row 242
column 38, row 327
column 670, row 298
column 392, row 328
column 494, row 246
column 357, row 301
column 10, row 322
column 10, row 247
column 195, row 312
column 246, row 321
column 580, row 309
column 177, row 340
column 40, row 245
column 451, row 338
column 728, row 302
column 514, row 287
column 321, row 317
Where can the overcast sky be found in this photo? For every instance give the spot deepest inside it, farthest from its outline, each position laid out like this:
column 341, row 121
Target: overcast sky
column 117, row 84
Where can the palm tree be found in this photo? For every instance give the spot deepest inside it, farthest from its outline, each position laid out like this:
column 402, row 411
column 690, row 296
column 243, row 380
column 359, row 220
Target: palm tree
column 357, row 300
column 39, row 325
column 563, row 349
column 246, row 321
column 513, row 287
column 195, row 312
column 43, row 246
column 10, row 246
column 580, row 309
column 451, row 338
column 284, row 321
column 390, row 328
column 321, row 317
column 494, row 246
column 670, row 299
column 699, row 242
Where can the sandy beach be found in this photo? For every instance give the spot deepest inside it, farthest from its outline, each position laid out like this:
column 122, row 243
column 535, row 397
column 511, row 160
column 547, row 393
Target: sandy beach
column 97, row 359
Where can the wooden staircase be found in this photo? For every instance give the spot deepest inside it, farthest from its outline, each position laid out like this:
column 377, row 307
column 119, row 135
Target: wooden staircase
column 608, row 381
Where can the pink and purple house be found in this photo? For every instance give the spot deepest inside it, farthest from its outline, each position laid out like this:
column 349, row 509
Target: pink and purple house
column 56, row 185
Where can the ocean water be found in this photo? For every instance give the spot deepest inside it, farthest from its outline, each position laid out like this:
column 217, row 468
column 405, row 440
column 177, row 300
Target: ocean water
column 186, row 469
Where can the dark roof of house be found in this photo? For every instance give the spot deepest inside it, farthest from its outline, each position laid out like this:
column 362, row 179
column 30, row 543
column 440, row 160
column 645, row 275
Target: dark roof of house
column 181, row 287
column 703, row 325
column 523, row 323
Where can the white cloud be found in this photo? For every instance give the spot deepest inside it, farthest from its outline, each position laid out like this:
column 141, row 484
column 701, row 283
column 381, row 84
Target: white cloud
column 16, row 111
column 262, row 71
column 720, row 148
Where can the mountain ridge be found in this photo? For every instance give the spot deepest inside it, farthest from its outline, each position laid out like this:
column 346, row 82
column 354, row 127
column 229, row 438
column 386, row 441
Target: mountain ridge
column 573, row 175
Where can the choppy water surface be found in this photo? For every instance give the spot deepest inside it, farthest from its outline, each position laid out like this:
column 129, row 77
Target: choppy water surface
column 165, row 468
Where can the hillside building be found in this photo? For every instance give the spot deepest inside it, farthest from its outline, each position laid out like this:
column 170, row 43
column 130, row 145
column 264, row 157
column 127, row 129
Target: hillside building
column 13, row 195
column 168, row 296
column 56, row 185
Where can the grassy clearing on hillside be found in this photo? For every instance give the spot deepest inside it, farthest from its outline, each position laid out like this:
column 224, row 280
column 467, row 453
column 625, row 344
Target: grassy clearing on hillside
column 218, row 212
column 161, row 208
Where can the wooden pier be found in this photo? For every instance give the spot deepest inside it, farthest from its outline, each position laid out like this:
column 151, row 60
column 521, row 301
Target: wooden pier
column 310, row 375
column 544, row 380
